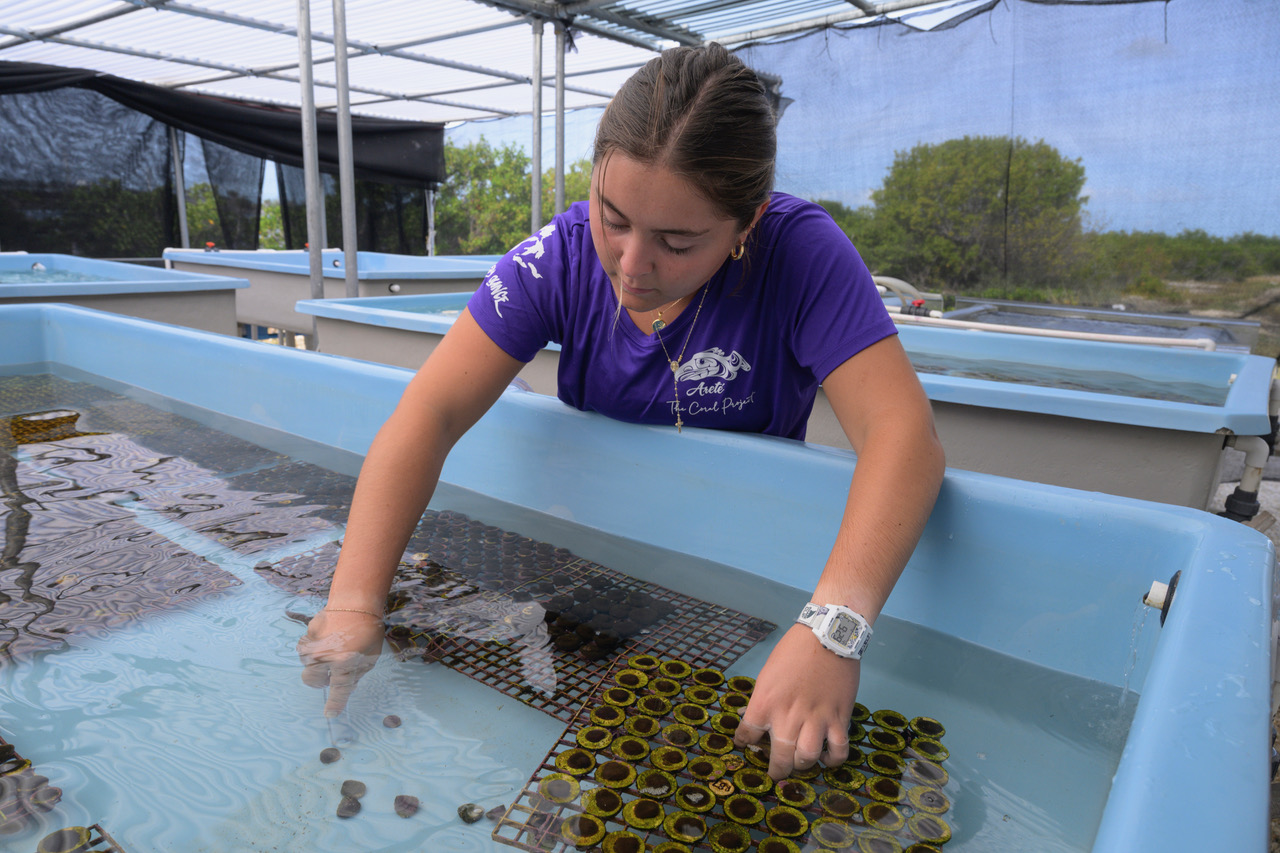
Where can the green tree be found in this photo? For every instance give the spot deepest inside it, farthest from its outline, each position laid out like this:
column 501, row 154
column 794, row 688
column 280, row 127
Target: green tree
column 271, row 227
column 483, row 207
column 977, row 210
column 577, row 186
column 202, row 216
column 857, row 223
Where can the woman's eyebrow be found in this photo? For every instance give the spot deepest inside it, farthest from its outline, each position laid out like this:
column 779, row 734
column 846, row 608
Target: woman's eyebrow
column 679, row 232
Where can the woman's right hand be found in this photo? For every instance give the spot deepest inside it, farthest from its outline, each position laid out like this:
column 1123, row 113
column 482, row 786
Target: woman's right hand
column 338, row 648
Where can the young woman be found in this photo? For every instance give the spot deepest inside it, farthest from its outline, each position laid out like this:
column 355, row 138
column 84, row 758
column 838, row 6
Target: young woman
column 685, row 293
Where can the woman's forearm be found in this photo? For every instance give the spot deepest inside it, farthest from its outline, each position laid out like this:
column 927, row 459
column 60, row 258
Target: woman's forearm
column 463, row 377
column 396, row 482
column 894, row 486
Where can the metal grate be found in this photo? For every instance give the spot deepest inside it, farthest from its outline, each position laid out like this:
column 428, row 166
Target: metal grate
column 852, row 807
column 500, row 607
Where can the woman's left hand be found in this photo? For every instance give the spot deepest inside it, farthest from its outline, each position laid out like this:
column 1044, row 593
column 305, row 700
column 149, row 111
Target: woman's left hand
column 804, row 699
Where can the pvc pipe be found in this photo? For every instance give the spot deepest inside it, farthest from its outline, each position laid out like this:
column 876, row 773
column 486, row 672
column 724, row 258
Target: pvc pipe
column 1256, row 453
column 898, row 286
column 897, row 309
column 1196, row 343
column 1156, row 596
column 1160, row 596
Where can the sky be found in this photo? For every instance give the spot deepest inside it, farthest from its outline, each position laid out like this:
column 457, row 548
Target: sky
column 1172, row 108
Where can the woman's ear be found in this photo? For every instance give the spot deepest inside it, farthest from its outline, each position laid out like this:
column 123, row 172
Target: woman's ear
column 759, row 212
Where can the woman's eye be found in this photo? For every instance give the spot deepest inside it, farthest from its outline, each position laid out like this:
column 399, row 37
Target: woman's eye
column 676, row 250
column 611, row 225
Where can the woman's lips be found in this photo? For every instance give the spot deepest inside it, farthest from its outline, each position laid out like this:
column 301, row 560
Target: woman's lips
column 636, row 291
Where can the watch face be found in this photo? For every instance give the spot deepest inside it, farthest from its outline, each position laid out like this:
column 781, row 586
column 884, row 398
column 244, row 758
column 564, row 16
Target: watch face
column 843, row 631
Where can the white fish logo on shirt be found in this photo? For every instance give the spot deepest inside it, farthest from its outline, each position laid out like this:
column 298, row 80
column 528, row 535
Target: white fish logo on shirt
column 535, row 248
column 712, row 363
column 530, row 267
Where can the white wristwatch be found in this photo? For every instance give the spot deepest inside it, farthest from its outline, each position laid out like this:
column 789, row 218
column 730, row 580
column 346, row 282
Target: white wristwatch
column 838, row 628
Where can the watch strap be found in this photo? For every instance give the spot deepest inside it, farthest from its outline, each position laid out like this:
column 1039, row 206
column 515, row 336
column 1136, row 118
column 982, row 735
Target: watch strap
column 817, row 617
column 811, row 614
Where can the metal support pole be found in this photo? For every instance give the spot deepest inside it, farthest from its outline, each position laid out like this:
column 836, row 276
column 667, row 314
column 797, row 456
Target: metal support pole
column 346, row 165
column 561, row 46
column 430, row 201
column 535, row 166
column 180, row 184
column 311, row 163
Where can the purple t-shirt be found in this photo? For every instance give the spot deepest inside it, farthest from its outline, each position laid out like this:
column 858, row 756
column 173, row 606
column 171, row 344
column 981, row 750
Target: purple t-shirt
column 772, row 327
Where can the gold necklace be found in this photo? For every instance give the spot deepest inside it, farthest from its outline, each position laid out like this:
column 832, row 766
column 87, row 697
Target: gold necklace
column 660, row 324
column 675, row 362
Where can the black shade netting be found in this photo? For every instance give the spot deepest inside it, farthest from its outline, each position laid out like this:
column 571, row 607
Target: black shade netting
column 83, row 175
column 235, row 180
column 1010, row 145
column 403, row 152
column 389, row 217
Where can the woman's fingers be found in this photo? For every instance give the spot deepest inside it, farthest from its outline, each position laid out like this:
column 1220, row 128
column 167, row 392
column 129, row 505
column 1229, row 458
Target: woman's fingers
column 342, row 681
column 336, row 653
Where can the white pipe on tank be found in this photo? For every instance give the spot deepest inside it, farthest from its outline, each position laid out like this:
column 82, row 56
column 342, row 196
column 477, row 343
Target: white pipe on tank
column 942, row 322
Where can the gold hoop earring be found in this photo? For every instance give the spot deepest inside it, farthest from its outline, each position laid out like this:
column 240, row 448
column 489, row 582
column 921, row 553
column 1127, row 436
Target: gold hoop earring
column 738, row 251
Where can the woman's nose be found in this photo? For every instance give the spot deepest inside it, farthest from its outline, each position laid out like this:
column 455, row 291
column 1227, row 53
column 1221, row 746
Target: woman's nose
column 633, row 257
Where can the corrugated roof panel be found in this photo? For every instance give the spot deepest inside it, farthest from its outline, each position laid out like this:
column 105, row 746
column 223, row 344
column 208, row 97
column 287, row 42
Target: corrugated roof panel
column 67, row 56
column 393, row 21
column 44, row 14
column 387, row 72
column 264, row 90
column 197, row 38
column 224, row 47
column 729, row 18
column 508, row 51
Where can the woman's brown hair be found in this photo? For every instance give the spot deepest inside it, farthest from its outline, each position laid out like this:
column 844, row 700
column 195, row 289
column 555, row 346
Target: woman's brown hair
column 702, row 114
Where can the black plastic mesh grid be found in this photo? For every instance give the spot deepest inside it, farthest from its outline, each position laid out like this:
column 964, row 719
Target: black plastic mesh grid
column 510, row 611
column 476, row 583
column 23, row 791
column 892, row 795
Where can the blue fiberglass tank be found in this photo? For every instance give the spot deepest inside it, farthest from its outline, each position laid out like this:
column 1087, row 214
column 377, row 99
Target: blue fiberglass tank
column 278, row 279
column 1076, row 720
column 195, row 300
column 1226, row 335
column 1133, row 420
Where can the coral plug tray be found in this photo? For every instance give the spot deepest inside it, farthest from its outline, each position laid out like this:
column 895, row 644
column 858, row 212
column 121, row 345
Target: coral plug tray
column 23, row 791
column 649, row 766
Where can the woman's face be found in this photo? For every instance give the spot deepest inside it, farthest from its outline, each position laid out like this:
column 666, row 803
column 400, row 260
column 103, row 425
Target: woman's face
column 656, row 238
